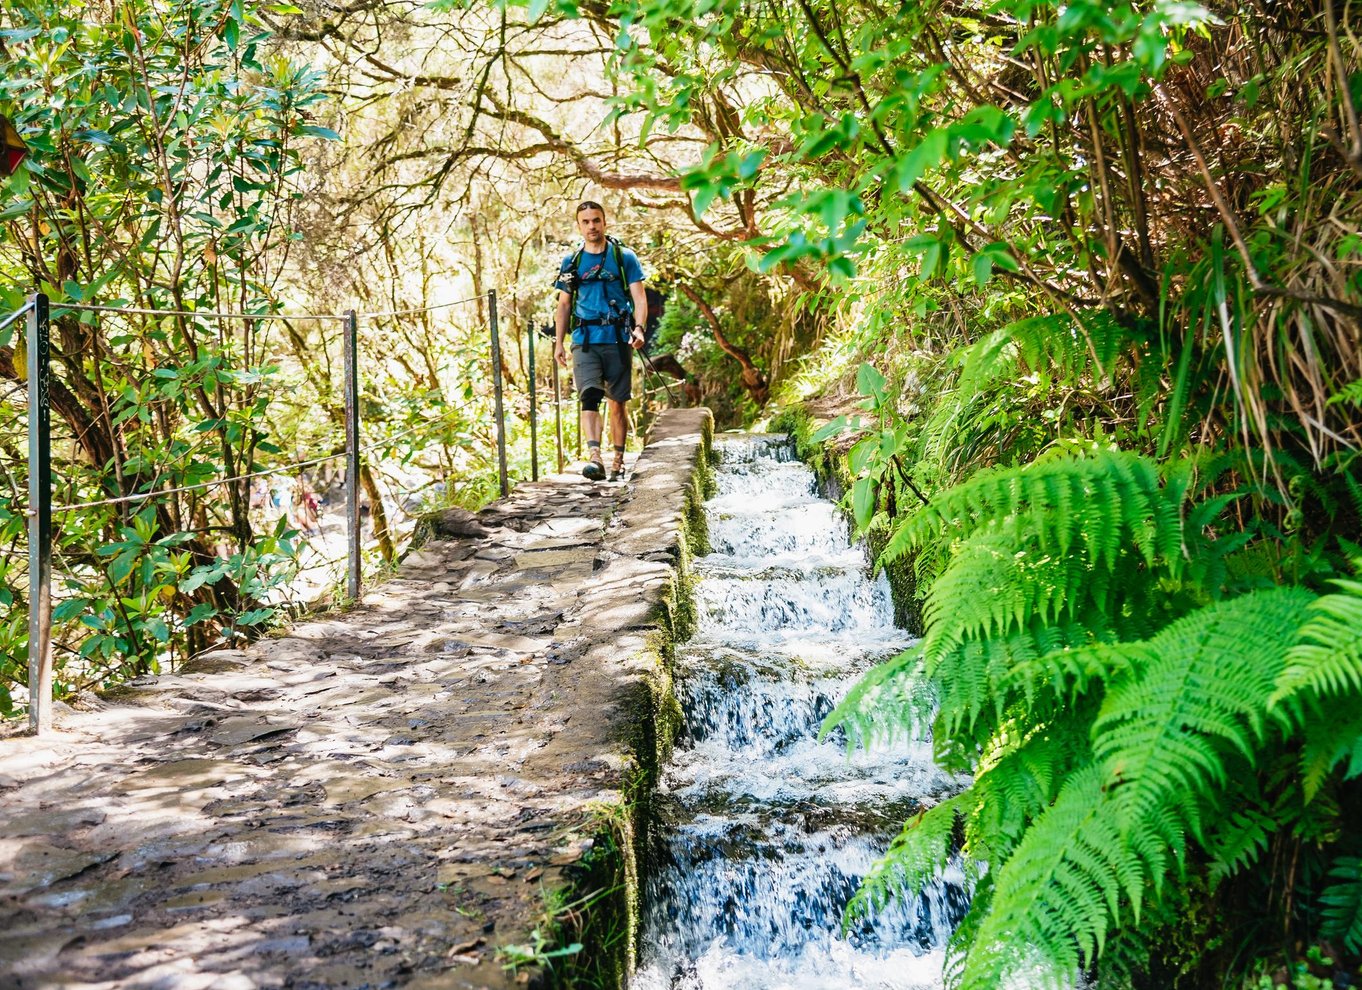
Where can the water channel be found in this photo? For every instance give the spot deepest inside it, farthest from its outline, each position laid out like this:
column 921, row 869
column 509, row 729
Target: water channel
column 766, row 833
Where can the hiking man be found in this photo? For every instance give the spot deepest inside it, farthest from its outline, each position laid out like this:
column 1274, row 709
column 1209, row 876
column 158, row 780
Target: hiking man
column 602, row 302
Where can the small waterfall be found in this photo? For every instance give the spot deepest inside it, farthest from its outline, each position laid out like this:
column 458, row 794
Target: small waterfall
column 765, row 832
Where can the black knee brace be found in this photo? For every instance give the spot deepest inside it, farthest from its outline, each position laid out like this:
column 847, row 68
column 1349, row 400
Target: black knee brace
column 591, row 399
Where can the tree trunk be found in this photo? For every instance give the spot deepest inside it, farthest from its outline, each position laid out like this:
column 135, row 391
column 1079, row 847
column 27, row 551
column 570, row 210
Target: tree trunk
column 377, row 515
column 753, row 379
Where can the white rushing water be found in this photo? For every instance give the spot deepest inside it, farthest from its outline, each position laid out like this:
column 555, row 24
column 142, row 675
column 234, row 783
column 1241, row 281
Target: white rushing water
column 766, row 833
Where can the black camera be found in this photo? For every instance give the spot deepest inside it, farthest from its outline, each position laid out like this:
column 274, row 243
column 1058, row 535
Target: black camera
column 620, row 319
column 568, row 280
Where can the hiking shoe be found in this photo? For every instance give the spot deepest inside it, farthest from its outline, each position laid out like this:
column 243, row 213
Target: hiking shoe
column 617, row 468
column 594, row 469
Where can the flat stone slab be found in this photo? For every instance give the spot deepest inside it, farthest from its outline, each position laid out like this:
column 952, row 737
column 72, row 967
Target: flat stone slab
column 380, row 798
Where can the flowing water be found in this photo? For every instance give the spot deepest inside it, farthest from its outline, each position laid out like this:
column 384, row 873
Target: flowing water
column 766, row 832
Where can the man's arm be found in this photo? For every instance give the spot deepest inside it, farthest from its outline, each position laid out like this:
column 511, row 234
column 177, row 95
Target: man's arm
column 640, row 298
column 560, row 327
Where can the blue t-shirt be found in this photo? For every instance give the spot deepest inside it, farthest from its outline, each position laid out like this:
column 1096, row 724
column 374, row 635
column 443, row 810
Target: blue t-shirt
column 599, row 282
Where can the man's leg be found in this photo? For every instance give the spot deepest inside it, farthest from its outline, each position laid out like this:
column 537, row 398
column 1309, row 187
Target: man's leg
column 619, row 434
column 591, row 430
column 619, row 424
column 591, row 427
column 587, row 376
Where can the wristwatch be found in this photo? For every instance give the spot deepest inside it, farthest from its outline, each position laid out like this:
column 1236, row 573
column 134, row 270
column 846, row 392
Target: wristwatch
column 639, row 327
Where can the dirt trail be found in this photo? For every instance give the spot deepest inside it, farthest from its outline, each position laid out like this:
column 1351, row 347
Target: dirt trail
column 379, row 799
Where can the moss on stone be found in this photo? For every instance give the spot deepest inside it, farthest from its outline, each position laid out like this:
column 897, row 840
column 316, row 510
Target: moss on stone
column 902, row 577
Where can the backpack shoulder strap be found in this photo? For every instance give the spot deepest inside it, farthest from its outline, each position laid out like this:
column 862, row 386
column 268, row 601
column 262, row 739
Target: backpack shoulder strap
column 619, row 266
column 572, row 266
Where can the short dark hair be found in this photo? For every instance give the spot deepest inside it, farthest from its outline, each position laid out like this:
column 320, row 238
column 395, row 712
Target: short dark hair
column 589, row 204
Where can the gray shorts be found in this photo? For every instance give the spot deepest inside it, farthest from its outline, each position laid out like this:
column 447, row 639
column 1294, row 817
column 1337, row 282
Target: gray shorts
column 604, row 367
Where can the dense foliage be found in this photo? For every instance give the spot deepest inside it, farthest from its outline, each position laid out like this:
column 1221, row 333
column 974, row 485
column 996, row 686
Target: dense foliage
column 176, row 163
column 1105, row 260
column 163, row 145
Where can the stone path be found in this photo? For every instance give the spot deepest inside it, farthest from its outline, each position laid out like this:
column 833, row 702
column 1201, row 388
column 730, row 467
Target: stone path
column 381, row 799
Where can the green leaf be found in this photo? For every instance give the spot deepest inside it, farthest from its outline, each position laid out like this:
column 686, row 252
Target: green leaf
column 863, row 502
column 1342, row 902
column 869, row 381
column 69, row 609
column 927, row 155
column 983, row 267
column 200, row 612
column 829, row 430
column 312, row 130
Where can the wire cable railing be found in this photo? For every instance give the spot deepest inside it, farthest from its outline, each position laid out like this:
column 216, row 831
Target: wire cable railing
column 390, row 313
column 41, row 510
column 219, row 482
column 16, row 315
column 200, row 313
column 232, row 315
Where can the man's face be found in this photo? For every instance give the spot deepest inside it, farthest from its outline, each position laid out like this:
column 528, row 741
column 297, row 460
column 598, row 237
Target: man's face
column 592, row 225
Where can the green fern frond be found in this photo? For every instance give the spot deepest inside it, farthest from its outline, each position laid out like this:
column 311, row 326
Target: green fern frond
column 1019, row 777
column 1237, row 842
column 1328, row 658
column 1110, row 499
column 891, row 701
column 980, row 364
column 1342, row 902
column 1199, row 686
column 1332, row 734
column 1350, row 394
column 1063, row 889
column 917, row 856
column 1059, row 341
column 975, row 678
column 1069, row 670
column 992, row 588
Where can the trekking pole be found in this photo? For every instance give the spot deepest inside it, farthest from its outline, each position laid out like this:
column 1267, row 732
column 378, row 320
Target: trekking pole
column 622, row 316
column 648, row 363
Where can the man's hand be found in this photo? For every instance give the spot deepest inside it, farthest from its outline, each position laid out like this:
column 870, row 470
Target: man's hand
column 636, row 340
column 559, row 354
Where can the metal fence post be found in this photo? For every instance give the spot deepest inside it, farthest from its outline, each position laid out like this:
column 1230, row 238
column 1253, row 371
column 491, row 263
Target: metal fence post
column 534, row 407
column 352, row 584
column 558, row 412
column 496, row 392
column 39, row 518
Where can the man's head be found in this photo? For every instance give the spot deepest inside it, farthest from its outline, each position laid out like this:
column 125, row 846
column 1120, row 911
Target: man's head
column 591, row 223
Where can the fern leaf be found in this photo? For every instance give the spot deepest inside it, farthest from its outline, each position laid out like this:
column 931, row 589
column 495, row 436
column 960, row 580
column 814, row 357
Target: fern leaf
column 890, row 701
column 1237, row 842
column 1115, row 490
column 1061, row 891
column 1328, row 658
column 918, row 854
column 976, row 677
column 1331, row 735
column 1351, row 394
column 1018, row 778
column 1069, row 670
column 1198, row 686
column 1342, row 902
